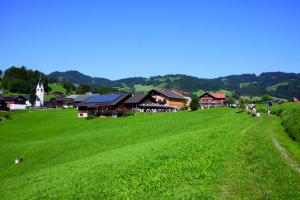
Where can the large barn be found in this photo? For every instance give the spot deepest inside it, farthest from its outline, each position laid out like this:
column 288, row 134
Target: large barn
column 110, row 105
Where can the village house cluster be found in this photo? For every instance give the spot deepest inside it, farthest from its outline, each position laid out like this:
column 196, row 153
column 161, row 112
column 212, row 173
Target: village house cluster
column 113, row 105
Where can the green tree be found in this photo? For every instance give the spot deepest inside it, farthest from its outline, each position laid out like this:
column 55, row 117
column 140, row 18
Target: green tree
column 194, row 105
column 242, row 102
column 32, row 96
column 266, row 97
column 231, row 100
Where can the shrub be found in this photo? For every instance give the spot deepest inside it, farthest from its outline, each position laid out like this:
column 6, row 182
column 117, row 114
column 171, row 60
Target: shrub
column 128, row 113
column 7, row 116
column 90, row 117
column 291, row 123
column 195, row 104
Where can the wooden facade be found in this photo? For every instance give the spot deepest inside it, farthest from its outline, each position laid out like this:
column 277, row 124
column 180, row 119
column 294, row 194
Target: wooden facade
column 7, row 101
column 58, row 102
column 212, row 100
column 135, row 100
column 167, row 98
column 112, row 108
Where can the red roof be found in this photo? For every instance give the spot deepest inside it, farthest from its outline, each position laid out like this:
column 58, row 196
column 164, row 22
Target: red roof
column 219, row 96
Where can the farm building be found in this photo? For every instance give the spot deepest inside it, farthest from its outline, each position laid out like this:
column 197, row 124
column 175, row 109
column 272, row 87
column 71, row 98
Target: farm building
column 12, row 102
column 111, row 105
column 56, row 93
column 182, row 93
column 81, row 98
column 212, row 100
column 167, row 97
column 135, row 102
column 58, row 102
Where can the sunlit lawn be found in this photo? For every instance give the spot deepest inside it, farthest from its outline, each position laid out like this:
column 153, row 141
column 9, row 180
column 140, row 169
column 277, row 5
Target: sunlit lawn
column 215, row 153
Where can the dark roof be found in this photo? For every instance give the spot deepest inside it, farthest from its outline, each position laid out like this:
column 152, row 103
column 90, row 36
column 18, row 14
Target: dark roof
column 103, row 98
column 168, row 94
column 181, row 92
column 122, row 97
column 137, row 98
column 268, row 101
column 57, row 98
column 83, row 97
column 26, row 96
column 47, row 100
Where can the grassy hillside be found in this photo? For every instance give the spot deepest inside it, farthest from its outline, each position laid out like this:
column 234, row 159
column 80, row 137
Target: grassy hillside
column 217, row 153
column 55, row 88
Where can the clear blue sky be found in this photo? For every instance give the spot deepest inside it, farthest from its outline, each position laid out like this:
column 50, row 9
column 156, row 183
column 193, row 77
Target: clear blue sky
column 128, row 38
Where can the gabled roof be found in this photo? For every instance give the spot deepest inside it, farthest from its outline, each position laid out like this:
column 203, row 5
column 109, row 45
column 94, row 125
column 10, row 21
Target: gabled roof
column 137, row 98
column 168, row 94
column 73, row 96
column 98, row 100
column 58, row 98
column 83, row 97
column 219, row 96
column 180, row 92
column 215, row 96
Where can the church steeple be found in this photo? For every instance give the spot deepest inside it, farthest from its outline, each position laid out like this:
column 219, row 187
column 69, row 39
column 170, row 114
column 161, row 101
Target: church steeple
column 39, row 93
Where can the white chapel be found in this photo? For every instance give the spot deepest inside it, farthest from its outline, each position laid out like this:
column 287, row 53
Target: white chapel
column 39, row 100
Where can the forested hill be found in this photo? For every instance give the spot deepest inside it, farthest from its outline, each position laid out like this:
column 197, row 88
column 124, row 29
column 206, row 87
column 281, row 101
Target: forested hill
column 278, row 84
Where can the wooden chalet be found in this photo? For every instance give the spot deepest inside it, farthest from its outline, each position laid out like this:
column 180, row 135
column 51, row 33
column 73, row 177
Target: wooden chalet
column 111, row 105
column 56, row 93
column 81, row 98
column 136, row 101
column 186, row 95
column 58, row 102
column 167, row 97
column 212, row 100
column 12, row 102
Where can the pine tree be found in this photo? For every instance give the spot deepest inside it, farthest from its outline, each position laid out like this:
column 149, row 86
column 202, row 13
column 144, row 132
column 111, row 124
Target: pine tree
column 194, row 104
column 32, row 96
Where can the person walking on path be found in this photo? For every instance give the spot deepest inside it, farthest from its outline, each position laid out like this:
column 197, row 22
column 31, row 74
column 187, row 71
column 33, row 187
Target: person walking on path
column 268, row 110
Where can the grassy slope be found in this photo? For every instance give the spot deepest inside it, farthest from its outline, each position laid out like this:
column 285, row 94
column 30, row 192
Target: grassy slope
column 55, row 88
column 213, row 153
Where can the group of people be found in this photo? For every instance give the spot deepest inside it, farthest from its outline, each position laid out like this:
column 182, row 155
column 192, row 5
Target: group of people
column 17, row 161
column 268, row 111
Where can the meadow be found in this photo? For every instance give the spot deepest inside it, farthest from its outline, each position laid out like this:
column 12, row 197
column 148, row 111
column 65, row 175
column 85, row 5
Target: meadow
column 219, row 153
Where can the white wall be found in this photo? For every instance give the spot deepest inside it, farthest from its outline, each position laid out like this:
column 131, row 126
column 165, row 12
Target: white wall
column 17, row 106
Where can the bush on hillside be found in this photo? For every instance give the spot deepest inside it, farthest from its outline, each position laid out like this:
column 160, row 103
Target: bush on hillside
column 128, row 113
column 90, row 117
column 195, row 104
column 291, row 123
column 7, row 116
column 266, row 97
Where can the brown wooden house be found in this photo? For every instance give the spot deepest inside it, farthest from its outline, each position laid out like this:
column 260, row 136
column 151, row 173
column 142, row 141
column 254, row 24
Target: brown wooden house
column 56, row 93
column 212, row 100
column 167, row 97
column 58, row 102
column 8, row 102
column 111, row 105
column 134, row 103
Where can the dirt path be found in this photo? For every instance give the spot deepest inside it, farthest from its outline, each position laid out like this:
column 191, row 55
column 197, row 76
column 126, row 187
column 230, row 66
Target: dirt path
column 284, row 152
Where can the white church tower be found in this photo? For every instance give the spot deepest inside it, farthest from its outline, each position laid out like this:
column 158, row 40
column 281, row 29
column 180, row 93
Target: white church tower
column 39, row 93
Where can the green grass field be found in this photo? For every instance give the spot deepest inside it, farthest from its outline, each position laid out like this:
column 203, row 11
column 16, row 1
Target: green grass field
column 218, row 153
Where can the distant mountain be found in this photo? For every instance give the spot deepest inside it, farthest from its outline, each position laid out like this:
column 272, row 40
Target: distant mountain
column 279, row 84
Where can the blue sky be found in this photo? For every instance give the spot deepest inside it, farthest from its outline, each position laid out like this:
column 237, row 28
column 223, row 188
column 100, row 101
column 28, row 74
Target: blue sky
column 120, row 39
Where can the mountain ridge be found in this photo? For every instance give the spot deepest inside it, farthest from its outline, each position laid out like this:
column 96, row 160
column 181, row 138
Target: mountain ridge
column 285, row 85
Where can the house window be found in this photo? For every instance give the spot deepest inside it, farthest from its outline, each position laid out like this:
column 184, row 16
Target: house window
column 41, row 90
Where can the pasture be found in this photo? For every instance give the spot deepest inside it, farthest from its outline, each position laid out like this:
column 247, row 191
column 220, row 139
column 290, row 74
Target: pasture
column 218, row 153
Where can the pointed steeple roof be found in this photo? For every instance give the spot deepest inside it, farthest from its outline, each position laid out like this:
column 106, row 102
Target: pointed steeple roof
column 40, row 83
